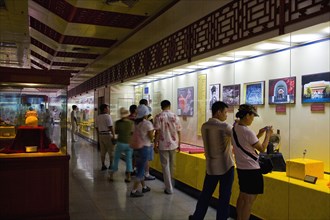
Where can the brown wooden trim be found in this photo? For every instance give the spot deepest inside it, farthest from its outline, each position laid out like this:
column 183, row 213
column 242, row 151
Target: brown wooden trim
column 49, row 77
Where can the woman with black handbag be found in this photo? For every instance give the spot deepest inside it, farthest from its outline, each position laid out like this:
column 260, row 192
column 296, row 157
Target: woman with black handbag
column 245, row 142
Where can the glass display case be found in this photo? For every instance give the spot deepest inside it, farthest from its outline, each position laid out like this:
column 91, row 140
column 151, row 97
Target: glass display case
column 33, row 117
column 85, row 115
column 33, row 144
column 290, row 87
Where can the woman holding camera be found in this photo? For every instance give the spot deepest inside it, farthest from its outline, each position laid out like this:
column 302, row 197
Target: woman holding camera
column 248, row 170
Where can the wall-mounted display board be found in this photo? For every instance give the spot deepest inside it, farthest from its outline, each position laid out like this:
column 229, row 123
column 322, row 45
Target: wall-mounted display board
column 185, row 99
column 315, row 88
column 231, row 94
column 254, row 93
column 214, row 94
column 282, row 91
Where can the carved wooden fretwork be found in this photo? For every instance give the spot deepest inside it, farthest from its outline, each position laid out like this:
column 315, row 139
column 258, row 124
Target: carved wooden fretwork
column 237, row 21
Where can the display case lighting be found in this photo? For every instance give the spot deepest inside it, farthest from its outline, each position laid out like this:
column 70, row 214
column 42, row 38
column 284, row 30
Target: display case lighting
column 270, row 46
column 29, row 84
column 302, row 38
column 142, row 80
column 326, row 30
column 225, row 59
column 181, row 70
column 160, row 76
column 153, row 77
column 193, row 67
column 246, row 53
column 131, row 84
column 208, row 64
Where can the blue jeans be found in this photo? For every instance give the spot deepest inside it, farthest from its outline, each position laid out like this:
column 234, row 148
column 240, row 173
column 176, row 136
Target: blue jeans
column 123, row 147
column 210, row 183
column 141, row 162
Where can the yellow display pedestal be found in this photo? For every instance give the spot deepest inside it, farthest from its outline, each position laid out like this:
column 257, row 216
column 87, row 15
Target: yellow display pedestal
column 283, row 197
column 300, row 167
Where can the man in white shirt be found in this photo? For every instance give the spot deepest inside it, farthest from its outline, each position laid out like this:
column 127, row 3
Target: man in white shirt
column 104, row 128
column 167, row 141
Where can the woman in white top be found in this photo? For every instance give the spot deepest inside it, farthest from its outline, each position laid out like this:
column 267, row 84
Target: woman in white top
column 146, row 130
column 248, row 170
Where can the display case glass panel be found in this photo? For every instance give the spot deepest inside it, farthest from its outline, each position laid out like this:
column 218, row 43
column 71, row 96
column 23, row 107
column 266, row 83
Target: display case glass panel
column 85, row 115
column 288, row 85
column 33, row 120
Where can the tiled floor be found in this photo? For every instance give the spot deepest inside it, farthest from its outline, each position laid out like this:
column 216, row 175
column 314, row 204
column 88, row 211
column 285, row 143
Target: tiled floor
column 93, row 197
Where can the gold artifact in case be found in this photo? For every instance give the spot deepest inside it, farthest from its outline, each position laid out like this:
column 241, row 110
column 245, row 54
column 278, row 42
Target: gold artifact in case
column 30, row 149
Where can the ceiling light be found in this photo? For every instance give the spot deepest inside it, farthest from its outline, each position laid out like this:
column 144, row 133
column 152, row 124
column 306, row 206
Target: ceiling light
column 208, row 64
column 168, row 74
column 30, row 84
column 131, row 84
column 246, row 53
column 181, row 70
column 270, row 46
column 144, row 80
column 226, row 59
column 193, row 67
column 301, row 38
column 159, row 75
column 326, row 30
column 151, row 77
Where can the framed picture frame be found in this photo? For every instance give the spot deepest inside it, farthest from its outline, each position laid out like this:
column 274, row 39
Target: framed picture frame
column 282, row 91
column 185, row 99
column 254, row 93
column 315, row 88
column 214, row 90
column 231, row 94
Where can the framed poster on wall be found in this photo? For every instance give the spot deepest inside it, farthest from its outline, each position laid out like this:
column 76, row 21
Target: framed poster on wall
column 282, row 91
column 214, row 90
column 231, row 94
column 185, row 99
column 254, row 93
column 315, row 88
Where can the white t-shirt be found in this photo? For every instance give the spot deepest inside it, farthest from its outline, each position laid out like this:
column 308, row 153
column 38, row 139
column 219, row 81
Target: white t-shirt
column 247, row 138
column 103, row 122
column 143, row 127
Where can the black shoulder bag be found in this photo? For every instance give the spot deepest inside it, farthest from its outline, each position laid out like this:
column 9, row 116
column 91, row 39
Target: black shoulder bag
column 265, row 163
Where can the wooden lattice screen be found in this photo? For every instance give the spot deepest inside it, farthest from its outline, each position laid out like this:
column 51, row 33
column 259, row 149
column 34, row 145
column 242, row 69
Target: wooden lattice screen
column 237, row 21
